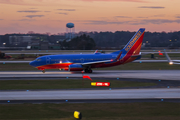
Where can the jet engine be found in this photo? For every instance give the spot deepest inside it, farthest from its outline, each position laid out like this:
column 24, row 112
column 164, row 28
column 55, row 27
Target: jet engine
column 75, row 67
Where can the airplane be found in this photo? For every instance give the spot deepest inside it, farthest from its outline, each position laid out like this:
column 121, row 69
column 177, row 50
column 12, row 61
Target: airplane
column 80, row 62
column 171, row 62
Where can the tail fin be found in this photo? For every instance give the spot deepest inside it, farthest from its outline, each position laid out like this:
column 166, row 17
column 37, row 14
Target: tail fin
column 134, row 45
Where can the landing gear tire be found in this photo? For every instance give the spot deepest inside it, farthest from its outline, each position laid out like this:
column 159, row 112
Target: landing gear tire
column 88, row 71
column 43, row 71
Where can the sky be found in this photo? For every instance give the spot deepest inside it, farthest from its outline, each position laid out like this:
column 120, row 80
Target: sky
column 51, row 16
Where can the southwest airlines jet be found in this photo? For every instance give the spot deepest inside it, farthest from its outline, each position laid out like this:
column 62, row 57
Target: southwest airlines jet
column 80, row 62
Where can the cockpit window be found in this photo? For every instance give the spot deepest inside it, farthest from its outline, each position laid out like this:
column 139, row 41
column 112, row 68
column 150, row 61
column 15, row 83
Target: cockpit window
column 38, row 59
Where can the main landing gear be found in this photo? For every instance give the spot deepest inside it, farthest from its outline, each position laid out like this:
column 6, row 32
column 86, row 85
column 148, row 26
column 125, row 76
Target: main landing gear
column 43, row 71
column 88, row 71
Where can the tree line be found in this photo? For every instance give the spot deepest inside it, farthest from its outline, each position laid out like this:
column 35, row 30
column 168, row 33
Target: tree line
column 120, row 38
column 90, row 40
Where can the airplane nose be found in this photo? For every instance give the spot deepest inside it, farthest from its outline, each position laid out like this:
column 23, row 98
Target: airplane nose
column 32, row 63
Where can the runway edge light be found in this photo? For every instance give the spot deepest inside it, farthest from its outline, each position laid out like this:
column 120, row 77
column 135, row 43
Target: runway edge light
column 77, row 115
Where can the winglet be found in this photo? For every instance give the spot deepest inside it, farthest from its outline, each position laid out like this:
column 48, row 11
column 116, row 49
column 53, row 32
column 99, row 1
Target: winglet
column 96, row 51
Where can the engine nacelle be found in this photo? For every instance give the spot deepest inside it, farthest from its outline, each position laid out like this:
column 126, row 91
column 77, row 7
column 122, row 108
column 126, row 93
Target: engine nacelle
column 75, row 67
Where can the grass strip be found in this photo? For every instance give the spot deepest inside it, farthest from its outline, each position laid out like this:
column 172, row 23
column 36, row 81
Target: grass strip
column 91, row 111
column 16, row 67
column 172, row 55
column 65, row 84
column 143, row 66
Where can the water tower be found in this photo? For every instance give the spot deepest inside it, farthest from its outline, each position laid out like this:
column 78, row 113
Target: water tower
column 70, row 31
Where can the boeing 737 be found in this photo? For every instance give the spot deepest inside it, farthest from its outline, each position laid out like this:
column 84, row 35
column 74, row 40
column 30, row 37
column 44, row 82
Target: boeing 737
column 80, row 62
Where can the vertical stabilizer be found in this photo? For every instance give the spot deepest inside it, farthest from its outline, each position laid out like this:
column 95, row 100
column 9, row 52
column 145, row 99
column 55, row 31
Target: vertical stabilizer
column 133, row 47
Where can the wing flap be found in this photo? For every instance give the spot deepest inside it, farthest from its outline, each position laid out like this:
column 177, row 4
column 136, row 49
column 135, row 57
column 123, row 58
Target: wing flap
column 102, row 61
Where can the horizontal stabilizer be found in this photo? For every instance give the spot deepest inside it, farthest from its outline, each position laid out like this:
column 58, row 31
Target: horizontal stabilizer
column 118, row 57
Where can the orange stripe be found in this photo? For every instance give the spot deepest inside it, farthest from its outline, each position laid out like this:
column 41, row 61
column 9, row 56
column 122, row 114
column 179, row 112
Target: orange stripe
column 55, row 66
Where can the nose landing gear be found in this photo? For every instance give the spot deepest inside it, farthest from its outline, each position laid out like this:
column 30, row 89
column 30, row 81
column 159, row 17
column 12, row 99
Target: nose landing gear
column 43, row 71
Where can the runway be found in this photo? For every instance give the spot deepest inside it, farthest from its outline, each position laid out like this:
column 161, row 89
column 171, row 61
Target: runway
column 161, row 93
column 138, row 74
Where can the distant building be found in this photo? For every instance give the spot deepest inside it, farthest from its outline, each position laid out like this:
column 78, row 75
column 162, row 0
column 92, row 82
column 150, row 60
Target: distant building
column 54, row 47
column 57, row 38
column 44, row 45
column 34, row 46
column 17, row 40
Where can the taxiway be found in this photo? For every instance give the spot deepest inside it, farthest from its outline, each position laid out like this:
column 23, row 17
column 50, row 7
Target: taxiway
column 138, row 74
column 160, row 93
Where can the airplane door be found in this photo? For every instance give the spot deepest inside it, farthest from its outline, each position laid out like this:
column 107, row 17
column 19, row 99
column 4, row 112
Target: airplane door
column 48, row 60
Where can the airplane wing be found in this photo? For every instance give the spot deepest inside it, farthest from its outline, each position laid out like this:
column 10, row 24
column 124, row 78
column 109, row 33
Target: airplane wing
column 102, row 61
column 176, row 63
column 176, row 60
column 171, row 61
